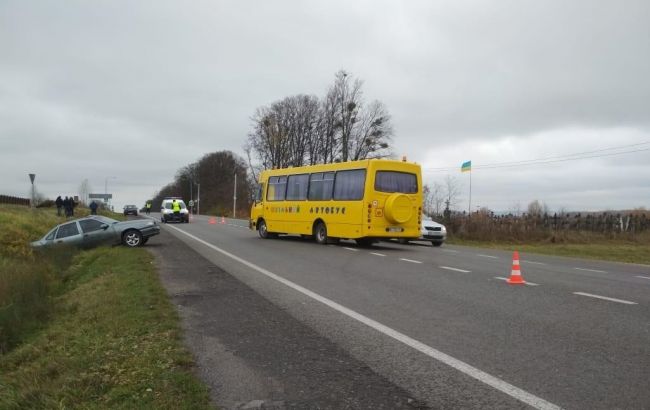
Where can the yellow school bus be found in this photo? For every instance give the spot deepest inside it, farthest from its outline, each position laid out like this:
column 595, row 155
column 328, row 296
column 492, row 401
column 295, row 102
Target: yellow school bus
column 363, row 200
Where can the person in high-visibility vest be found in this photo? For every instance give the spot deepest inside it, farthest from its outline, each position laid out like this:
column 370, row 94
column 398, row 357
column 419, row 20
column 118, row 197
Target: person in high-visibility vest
column 147, row 207
column 176, row 208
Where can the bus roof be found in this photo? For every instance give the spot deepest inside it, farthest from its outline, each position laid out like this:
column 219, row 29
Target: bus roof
column 337, row 166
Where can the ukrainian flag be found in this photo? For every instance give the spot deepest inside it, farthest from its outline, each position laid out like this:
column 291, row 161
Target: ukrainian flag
column 466, row 167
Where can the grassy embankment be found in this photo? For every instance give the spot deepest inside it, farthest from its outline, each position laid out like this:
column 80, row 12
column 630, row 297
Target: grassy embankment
column 599, row 248
column 87, row 329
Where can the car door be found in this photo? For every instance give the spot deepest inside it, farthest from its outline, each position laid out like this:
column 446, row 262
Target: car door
column 68, row 234
column 95, row 232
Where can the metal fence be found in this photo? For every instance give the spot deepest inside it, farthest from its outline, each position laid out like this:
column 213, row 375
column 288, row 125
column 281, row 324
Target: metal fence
column 12, row 200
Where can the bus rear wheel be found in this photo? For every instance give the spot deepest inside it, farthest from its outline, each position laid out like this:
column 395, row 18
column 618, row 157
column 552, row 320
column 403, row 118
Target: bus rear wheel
column 320, row 233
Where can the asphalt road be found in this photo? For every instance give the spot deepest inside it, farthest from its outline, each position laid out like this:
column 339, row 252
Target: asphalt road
column 442, row 324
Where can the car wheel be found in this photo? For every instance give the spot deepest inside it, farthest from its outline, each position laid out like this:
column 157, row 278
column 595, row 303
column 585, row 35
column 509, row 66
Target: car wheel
column 436, row 243
column 320, row 233
column 132, row 238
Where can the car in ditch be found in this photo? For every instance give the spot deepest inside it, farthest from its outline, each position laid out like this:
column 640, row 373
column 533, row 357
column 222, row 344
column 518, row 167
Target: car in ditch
column 98, row 230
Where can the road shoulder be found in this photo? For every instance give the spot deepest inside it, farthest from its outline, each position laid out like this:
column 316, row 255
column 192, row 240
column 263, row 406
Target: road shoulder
column 252, row 354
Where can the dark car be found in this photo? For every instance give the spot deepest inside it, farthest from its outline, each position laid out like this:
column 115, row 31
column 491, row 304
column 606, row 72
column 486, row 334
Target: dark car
column 98, row 230
column 130, row 210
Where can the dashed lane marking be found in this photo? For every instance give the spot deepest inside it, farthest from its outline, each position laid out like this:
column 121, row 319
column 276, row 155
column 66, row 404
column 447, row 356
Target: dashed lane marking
column 351, row 249
column 534, row 263
column 626, row 302
column 486, row 378
column 590, row 270
column 487, row 256
column 377, row 254
column 526, row 282
column 409, row 260
column 455, row 269
column 643, row 277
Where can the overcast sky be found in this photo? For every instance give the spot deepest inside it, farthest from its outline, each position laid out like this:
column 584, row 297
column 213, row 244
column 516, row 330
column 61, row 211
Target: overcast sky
column 124, row 93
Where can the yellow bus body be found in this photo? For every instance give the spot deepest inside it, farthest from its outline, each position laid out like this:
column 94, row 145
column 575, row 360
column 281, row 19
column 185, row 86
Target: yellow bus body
column 378, row 214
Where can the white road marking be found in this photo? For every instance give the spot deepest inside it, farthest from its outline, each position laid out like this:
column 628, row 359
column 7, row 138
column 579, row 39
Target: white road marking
column 643, row 277
column 627, row 302
column 590, row 270
column 527, row 283
column 487, row 256
column 377, row 254
column 455, row 269
column 409, row 260
column 534, row 263
column 351, row 249
column 486, row 378
column 450, row 250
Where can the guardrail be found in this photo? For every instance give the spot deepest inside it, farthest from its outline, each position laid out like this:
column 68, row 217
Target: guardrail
column 12, row 200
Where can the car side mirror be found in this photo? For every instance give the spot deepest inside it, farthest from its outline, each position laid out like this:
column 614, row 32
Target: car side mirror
column 104, row 226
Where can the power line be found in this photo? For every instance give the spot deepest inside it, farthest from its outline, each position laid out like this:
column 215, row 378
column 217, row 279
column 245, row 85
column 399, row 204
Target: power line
column 553, row 159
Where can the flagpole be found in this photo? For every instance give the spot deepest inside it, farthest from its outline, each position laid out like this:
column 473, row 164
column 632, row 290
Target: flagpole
column 469, row 213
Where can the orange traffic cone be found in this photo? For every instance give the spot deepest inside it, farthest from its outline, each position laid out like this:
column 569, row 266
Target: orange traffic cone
column 515, row 275
column 212, row 220
column 223, row 220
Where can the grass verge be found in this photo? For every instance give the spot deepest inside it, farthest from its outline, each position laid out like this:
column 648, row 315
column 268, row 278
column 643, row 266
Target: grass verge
column 104, row 336
column 616, row 251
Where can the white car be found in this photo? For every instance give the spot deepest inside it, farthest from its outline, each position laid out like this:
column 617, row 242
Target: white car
column 168, row 215
column 431, row 231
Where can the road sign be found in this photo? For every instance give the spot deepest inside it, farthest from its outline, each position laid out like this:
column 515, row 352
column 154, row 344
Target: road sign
column 100, row 196
column 191, row 203
column 32, row 177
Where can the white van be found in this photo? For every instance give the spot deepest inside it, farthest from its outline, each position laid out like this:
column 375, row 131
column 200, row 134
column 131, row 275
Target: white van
column 168, row 215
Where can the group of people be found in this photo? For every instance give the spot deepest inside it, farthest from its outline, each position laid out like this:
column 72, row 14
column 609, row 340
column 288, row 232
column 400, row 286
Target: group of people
column 67, row 205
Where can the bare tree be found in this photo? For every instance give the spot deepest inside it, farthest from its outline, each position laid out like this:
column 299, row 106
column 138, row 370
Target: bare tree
column 348, row 102
column 84, row 191
column 302, row 129
column 537, row 208
column 451, row 191
column 437, row 198
column 372, row 133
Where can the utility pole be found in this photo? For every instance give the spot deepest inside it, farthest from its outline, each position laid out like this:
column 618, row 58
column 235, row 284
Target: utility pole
column 234, row 197
column 198, row 199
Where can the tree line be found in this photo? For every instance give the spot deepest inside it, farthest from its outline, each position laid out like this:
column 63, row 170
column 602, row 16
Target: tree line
column 307, row 130
column 214, row 175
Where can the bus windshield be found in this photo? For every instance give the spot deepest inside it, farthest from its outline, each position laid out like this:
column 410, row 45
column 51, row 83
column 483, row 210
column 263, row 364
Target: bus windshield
column 392, row 181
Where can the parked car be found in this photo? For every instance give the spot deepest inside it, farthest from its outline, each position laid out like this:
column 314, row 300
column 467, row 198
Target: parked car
column 431, row 231
column 97, row 230
column 168, row 215
column 130, row 210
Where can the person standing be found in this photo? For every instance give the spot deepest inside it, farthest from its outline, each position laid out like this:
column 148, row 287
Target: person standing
column 147, row 207
column 59, row 205
column 66, row 206
column 72, row 205
column 93, row 208
column 176, row 208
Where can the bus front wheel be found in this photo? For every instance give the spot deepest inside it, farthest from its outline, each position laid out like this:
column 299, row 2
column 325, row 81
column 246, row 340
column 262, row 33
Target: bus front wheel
column 263, row 230
column 320, row 233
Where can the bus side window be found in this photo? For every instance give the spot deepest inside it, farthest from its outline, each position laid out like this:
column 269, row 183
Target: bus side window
column 277, row 188
column 349, row 185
